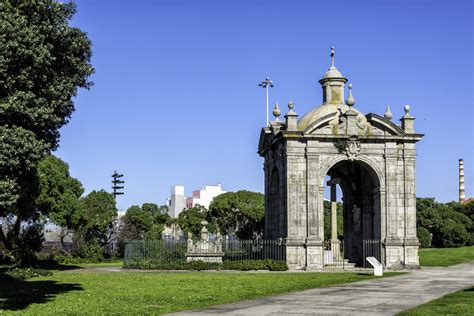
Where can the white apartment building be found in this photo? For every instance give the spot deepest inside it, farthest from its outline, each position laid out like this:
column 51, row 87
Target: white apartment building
column 177, row 202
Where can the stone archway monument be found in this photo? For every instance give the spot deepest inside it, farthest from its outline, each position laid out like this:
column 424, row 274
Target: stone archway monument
column 371, row 158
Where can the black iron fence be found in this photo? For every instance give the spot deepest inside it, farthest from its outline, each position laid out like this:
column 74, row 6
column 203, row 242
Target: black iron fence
column 371, row 248
column 171, row 254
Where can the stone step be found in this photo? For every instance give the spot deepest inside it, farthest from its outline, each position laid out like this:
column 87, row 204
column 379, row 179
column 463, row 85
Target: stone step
column 341, row 263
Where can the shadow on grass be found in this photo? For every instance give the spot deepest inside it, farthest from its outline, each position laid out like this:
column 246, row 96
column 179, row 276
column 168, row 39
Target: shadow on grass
column 17, row 294
column 52, row 265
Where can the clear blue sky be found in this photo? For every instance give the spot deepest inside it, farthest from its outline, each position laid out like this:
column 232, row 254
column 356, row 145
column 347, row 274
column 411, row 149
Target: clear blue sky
column 176, row 99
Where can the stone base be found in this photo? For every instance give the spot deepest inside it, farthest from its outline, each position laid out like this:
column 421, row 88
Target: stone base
column 295, row 254
column 210, row 258
column 301, row 255
column 401, row 255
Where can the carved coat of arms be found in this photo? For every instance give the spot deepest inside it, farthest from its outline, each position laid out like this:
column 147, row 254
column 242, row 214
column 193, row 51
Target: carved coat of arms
column 352, row 148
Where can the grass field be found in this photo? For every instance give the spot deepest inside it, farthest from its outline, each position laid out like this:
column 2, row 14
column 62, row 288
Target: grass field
column 444, row 257
column 458, row 303
column 73, row 293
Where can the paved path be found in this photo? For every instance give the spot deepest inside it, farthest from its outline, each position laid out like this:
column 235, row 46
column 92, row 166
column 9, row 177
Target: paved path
column 385, row 296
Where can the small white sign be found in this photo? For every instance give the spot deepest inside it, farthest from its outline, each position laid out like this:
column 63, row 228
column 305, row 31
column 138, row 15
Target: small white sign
column 378, row 268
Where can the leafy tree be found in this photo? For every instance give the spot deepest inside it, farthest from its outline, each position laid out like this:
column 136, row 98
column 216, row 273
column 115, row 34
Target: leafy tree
column 424, row 236
column 146, row 222
column 189, row 220
column 98, row 213
column 43, row 61
column 159, row 213
column 240, row 213
column 138, row 222
column 448, row 227
column 60, row 194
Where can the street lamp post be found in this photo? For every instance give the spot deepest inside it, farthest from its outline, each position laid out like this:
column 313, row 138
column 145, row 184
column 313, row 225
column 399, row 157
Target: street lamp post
column 267, row 83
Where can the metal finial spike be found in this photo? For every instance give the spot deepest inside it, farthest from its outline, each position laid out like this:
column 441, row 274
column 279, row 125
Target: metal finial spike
column 388, row 114
column 350, row 99
column 276, row 111
column 332, row 56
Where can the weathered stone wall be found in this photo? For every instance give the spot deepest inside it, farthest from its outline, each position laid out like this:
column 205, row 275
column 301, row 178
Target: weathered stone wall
column 390, row 207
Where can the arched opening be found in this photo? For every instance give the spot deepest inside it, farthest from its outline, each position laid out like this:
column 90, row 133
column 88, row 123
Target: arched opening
column 274, row 201
column 360, row 190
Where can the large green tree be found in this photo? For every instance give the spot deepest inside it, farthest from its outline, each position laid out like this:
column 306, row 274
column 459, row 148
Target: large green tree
column 189, row 220
column 43, row 61
column 447, row 226
column 98, row 213
column 145, row 222
column 60, row 194
column 240, row 213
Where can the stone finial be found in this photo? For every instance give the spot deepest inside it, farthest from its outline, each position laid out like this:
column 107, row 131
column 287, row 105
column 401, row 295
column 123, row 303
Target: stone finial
column 291, row 118
column 408, row 121
column 407, row 110
column 291, row 105
column 350, row 101
column 388, row 114
column 276, row 111
column 204, row 235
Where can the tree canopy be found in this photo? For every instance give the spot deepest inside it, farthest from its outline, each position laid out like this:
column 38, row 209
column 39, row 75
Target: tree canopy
column 97, row 218
column 43, row 61
column 189, row 220
column 444, row 225
column 60, row 194
column 240, row 213
column 145, row 222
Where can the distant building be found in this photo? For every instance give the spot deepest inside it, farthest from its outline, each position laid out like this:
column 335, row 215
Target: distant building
column 177, row 202
column 204, row 196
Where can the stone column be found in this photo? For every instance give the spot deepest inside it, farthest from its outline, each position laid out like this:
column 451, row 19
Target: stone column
column 296, row 205
column 315, row 208
column 333, row 211
column 394, row 222
column 411, row 242
column 334, row 246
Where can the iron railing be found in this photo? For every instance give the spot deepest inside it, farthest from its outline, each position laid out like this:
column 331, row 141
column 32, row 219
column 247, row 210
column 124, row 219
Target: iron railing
column 371, row 248
column 170, row 253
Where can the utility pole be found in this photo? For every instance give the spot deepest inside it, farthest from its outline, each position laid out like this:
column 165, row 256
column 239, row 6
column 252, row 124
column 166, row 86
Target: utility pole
column 116, row 184
column 267, row 83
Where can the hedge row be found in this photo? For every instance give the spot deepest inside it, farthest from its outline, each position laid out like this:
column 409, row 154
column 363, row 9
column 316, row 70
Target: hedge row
column 244, row 265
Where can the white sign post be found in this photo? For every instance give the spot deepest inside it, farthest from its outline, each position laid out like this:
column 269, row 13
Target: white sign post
column 378, row 268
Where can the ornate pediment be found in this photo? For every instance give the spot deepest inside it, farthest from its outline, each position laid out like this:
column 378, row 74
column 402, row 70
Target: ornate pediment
column 383, row 126
column 353, row 124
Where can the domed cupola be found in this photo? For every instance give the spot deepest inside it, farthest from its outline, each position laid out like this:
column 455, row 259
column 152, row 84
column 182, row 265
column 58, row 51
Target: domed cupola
column 333, row 84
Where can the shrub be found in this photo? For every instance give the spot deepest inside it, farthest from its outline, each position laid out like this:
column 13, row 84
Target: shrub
column 424, row 236
column 245, row 265
column 92, row 252
column 248, row 265
column 67, row 259
column 24, row 273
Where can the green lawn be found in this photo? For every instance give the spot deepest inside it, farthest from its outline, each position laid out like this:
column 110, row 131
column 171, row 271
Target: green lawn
column 445, row 257
column 457, row 303
column 70, row 292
